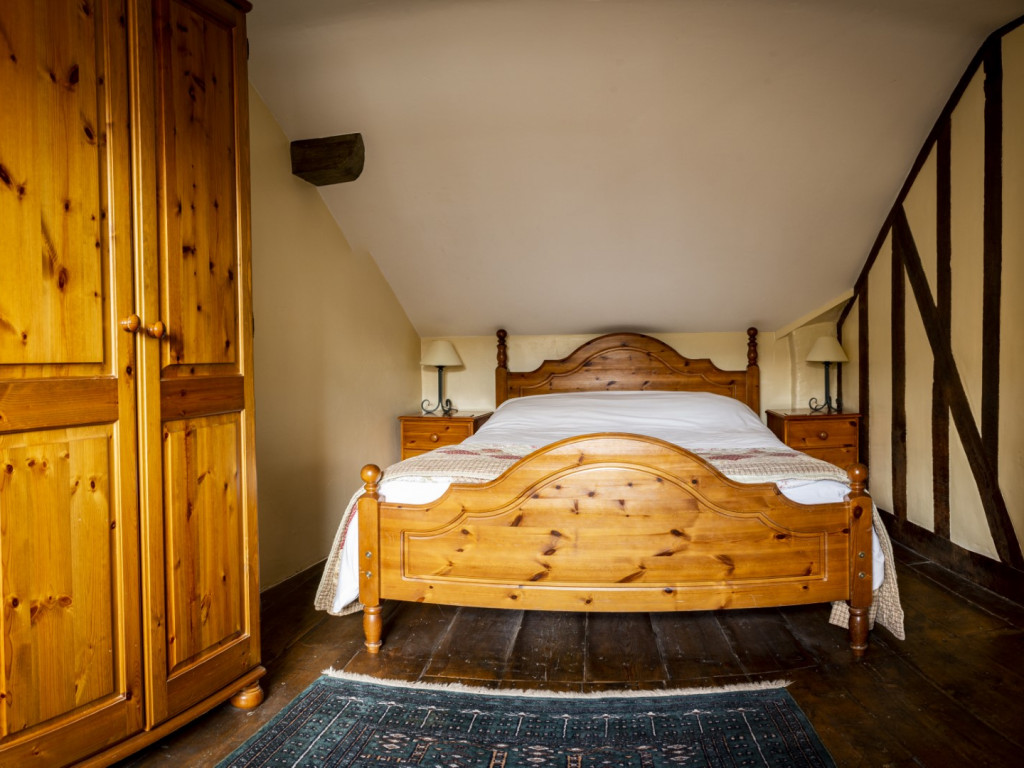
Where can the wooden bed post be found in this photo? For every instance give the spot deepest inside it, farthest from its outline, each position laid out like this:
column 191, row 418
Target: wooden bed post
column 753, row 373
column 860, row 559
column 501, row 372
column 369, row 558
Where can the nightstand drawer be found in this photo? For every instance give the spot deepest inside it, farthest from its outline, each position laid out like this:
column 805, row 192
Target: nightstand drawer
column 422, row 433
column 831, row 437
column 842, row 457
column 821, row 433
column 427, row 437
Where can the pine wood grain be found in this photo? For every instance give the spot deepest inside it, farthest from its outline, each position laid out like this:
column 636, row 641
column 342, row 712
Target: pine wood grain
column 70, row 654
column 630, row 362
column 199, row 490
column 86, row 628
column 51, row 193
column 606, row 523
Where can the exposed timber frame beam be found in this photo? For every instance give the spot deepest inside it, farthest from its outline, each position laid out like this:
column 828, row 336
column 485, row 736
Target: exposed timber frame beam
column 329, row 160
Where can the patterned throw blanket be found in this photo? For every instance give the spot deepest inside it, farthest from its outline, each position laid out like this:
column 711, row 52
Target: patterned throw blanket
column 480, row 462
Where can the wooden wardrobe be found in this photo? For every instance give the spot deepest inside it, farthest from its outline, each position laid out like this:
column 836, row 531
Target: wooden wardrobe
column 128, row 548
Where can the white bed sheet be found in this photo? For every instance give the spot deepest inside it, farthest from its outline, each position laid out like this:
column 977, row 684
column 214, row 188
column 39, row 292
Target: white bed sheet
column 687, row 419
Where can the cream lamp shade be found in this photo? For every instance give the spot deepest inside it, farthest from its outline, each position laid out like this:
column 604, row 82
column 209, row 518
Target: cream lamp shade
column 442, row 354
column 827, row 349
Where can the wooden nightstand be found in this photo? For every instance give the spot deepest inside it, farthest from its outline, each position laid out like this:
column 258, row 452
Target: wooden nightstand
column 425, row 432
column 828, row 436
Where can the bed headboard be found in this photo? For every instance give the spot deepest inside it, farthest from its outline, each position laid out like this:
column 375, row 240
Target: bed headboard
column 631, row 362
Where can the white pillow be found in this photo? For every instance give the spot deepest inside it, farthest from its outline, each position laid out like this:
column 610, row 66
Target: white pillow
column 688, row 419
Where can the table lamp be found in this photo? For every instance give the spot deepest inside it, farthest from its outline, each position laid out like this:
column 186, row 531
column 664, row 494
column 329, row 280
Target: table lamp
column 443, row 355
column 827, row 350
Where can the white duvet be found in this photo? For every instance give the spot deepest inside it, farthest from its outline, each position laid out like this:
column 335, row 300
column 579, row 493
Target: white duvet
column 691, row 420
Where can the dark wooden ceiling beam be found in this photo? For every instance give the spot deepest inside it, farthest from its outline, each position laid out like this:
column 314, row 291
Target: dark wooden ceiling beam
column 329, row 160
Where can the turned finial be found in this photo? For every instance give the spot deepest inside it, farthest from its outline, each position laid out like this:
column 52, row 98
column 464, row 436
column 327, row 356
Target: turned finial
column 371, row 476
column 751, row 346
column 502, row 349
column 858, row 478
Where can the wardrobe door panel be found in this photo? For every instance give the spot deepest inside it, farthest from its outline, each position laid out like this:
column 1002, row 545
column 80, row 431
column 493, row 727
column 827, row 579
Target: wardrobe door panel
column 59, row 563
column 199, row 212
column 52, row 191
column 70, row 658
column 205, row 538
column 201, row 583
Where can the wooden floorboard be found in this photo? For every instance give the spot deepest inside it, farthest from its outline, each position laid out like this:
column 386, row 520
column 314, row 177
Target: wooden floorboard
column 476, row 648
column 837, row 715
column 621, row 647
column 549, row 648
column 694, row 647
column 952, row 693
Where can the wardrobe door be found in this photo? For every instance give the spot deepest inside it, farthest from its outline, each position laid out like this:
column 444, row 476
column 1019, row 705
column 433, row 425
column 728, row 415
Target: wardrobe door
column 70, row 660
column 201, row 587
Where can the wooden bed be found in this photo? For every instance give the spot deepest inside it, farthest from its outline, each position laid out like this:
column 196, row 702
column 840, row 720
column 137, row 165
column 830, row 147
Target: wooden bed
column 616, row 522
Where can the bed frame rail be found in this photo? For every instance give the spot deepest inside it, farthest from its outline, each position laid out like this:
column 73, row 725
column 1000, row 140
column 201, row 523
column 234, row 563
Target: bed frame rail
column 615, row 522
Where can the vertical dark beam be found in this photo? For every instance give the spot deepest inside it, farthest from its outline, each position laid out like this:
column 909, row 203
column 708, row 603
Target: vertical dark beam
column 839, row 366
column 899, row 384
column 984, row 470
column 944, row 296
column 864, row 385
column 993, row 247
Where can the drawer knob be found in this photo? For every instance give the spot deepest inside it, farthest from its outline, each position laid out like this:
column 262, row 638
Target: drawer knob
column 434, row 437
column 823, row 435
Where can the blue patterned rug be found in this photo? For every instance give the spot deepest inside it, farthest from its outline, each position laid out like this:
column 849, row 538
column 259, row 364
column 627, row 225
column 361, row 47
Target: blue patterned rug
column 342, row 722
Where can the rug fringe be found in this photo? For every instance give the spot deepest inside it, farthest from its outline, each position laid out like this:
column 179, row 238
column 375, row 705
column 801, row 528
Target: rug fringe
column 461, row 688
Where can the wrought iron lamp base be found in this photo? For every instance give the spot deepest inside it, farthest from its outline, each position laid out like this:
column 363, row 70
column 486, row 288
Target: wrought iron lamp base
column 445, row 406
column 827, row 406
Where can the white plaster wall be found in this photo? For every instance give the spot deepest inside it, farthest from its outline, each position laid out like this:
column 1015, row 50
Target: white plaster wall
column 968, row 523
column 921, row 206
column 1011, row 394
column 918, row 405
column 968, row 526
column 968, row 198
column 335, row 357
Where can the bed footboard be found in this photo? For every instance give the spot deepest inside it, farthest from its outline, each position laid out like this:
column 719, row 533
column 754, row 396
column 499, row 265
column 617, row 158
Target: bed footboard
column 615, row 523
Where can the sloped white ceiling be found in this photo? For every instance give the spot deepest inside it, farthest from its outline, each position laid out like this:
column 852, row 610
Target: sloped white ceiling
column 573, row 166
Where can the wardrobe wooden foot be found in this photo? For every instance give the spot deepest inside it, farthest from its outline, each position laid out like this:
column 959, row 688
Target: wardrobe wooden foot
column 249, row 697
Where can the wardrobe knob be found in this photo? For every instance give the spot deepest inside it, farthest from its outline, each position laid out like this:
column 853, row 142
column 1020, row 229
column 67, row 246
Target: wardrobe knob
column 156, row 330
column 131, row 324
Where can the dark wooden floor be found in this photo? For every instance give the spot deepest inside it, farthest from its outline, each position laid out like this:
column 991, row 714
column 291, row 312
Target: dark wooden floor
column 951, row 694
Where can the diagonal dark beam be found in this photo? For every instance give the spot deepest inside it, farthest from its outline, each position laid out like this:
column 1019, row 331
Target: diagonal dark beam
column 985, row 475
